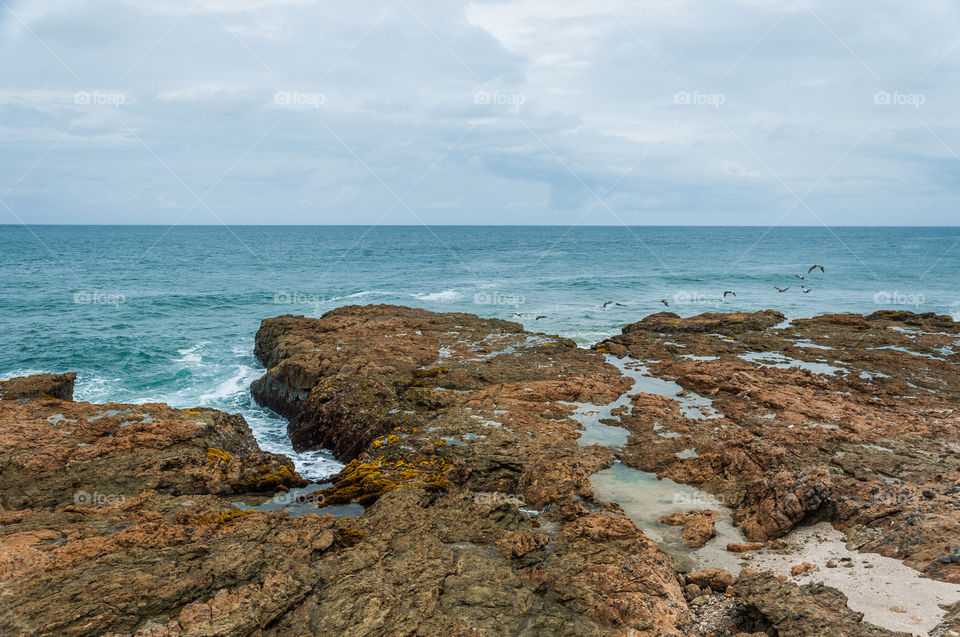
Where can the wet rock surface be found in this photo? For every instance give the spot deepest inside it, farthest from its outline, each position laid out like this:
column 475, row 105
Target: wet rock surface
column 461, row 438
column 116, row 519
column 791, row 610
column 847, row 418
column 698, row 526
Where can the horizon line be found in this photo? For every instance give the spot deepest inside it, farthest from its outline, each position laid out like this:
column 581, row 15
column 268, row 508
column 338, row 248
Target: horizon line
column 456, row 225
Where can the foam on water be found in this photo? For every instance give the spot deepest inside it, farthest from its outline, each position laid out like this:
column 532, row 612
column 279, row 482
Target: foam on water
column 446, row 296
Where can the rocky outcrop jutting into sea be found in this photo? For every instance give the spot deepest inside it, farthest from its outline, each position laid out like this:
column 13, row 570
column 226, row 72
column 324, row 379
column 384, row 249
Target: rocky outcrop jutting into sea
column 462, row 440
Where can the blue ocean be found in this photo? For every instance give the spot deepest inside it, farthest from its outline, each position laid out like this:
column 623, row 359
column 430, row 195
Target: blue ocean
column 160, row 314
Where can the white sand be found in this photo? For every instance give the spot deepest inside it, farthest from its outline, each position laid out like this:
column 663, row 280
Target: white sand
column 872, row 585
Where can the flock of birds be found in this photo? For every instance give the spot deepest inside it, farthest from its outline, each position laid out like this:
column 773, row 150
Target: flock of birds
column 803, row 288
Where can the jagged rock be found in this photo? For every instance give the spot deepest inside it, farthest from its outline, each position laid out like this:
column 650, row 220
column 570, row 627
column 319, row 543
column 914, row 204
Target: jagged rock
column 744, row 547
column 716, row 579
column 719, row 323
column 773, row 506
column 378, row 385
column 697, row 525
column 118, row 519
column 838, row 417
column 801, row 611
column 39, row 386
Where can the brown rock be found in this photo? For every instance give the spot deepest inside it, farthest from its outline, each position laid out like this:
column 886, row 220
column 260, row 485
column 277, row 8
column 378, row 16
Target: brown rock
column 519, row 544
column 744, row 547
column 800, row 611
column 58, row 386
column 811, row 420
column 361, row 381
column 716, row 579
column 698, row 525
column 800, row 569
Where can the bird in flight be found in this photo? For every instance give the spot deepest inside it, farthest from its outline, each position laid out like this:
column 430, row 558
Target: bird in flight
column 518, row 314
column 726, row 292
column 805, row 290
column 781, row 290
column 814, row 267
column 620, row 305
column 665, row 302
column 540, row 317
column 799, row 276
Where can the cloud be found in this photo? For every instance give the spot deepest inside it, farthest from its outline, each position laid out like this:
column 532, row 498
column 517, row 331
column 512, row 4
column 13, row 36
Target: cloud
column 509, row 111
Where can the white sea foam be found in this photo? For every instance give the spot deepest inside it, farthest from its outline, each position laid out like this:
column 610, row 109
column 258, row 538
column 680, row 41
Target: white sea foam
column 239, row 382
column 447, row 296
column 191, row 354
column 355, row 295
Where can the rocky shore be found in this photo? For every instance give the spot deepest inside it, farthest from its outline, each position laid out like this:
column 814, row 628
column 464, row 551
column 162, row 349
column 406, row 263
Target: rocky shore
column 468, row 442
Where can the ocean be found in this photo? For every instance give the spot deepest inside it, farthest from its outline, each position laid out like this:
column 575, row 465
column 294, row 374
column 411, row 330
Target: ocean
column 159, row 314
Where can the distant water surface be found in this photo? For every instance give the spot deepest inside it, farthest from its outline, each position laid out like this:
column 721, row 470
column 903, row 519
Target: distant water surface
column 151, row 314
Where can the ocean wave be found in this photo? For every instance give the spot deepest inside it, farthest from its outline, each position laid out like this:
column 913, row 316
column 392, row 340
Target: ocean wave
column 191, row 354
column 236, row 384
column 447, row 296
column 355, row 295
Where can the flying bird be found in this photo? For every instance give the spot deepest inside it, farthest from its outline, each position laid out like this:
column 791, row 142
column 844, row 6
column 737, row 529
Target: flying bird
column 620, row 305
column 726, row 292
column 814, row 267
column 805, row 290
column 781, row 290
column 608, row 303
column 518, row 314
column 665, row 302
column 799, row 276
column 540, row 317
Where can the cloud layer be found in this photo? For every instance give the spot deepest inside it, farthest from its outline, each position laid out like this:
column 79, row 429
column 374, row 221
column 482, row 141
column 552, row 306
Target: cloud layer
column 514, row 111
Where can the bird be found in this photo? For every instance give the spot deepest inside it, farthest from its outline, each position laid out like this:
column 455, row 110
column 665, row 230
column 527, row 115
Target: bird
column 799, row 276
column 518, row 314
column 726, row 292
column 781, row 290
column 805, row 290
column 814, row 267
column 540, row 317
column 607, row 303
column 665, row 302
column 620, row 305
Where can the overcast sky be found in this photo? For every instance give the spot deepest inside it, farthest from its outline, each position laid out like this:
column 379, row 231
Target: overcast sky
column 447, row 112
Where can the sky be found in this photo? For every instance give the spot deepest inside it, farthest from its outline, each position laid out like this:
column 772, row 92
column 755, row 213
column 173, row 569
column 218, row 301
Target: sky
column 595, row 112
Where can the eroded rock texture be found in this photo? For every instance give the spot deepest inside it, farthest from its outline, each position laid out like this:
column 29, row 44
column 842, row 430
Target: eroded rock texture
column 452, row 424
column 461, row 441
column 850, row 418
